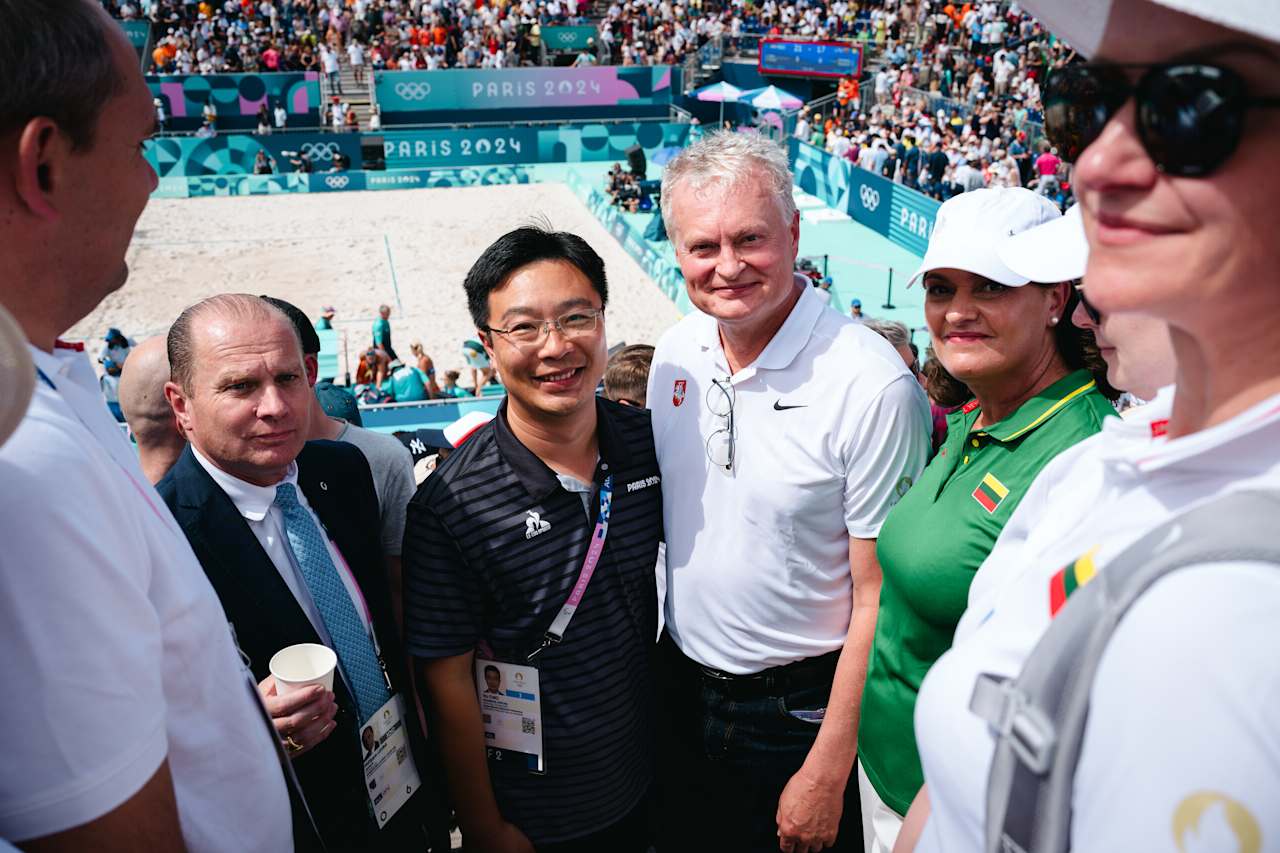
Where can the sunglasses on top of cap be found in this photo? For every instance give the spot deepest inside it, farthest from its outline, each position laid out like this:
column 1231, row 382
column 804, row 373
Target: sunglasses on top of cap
column 1190, row 116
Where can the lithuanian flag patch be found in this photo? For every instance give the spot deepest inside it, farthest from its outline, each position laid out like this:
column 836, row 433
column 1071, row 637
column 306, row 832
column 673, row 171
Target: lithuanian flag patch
column 990, row 492
column 1068, row 579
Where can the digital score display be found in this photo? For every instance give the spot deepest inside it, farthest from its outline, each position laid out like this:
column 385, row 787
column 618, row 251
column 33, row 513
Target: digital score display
column 810, row 58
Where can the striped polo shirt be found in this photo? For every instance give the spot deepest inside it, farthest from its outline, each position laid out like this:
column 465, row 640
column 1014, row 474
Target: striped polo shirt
column 493, row 545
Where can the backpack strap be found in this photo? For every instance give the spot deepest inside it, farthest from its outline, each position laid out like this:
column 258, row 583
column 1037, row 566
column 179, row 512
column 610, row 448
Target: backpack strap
column 1039, row 717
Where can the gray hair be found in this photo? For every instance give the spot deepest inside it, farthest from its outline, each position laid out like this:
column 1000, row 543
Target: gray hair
column 242, row 307
column 56, row 61
column 892, row 331
column 727, row 157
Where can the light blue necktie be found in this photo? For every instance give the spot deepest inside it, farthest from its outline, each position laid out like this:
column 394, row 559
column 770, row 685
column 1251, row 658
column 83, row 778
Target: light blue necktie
column 350, row 640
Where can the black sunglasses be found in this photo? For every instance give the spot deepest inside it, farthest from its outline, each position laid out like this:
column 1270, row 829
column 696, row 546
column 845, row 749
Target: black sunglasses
column 1094, row 314
column 1190, row 116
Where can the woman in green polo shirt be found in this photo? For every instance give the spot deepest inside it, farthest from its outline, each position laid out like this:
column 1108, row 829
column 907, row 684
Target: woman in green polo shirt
column 1008, row 356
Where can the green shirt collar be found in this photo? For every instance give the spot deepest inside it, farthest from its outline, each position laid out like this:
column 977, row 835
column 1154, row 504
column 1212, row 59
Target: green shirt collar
column 1039, row 408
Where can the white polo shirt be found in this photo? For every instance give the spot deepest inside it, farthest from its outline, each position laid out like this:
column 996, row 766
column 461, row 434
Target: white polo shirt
column 117, row 651
column 830, row 431
column 1183, row 739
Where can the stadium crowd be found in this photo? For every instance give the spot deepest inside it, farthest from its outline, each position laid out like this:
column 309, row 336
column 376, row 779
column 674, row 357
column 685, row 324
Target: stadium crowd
column 274, row 35
column 954, row 106
column 740, row 601
column 953, row 103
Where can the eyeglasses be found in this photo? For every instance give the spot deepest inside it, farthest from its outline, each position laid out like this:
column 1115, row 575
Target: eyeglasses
column 1190, row 116
column 1094, row 314
column 720, row 444
column 578, row 323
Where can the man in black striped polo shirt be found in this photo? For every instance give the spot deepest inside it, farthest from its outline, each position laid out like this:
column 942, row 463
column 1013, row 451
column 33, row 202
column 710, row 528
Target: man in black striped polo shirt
column 497, row 538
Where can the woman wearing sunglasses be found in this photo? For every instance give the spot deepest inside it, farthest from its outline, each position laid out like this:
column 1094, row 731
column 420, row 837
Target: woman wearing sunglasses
column 1135, row 347
column 1173, row 129
column 1008, row 356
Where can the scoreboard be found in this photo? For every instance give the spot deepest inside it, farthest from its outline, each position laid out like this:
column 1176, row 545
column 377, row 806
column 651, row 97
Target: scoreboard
column 810, row 58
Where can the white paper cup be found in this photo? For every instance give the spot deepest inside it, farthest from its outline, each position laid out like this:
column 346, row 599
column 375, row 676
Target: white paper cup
column 296, row 667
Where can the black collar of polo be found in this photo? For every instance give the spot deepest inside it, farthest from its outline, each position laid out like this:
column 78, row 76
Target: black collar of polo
column 534, row 475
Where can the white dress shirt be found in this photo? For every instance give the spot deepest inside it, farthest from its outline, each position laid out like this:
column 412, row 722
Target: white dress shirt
column 257, row 505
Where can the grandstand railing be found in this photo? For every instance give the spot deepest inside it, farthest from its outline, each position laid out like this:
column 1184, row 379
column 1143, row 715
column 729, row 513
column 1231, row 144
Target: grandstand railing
column 424, row 414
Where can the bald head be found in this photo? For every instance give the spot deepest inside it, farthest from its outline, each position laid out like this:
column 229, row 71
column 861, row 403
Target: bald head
column 142, row 384
column 147, row 411
column 240, row 309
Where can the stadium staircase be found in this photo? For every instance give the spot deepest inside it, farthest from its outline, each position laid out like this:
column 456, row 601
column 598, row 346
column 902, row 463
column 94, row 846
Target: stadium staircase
column 358, row 95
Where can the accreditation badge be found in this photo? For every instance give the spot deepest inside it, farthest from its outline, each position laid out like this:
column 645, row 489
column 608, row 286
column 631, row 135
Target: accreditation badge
column 389, row 772
column 511, row 710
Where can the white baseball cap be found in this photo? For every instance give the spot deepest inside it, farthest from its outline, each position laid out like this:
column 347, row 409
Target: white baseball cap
column 971, row 227
column 1054, row 251
column 461, row 429
column 1084, row 24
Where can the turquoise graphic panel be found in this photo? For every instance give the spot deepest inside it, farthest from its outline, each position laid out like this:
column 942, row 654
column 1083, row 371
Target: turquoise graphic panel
column 512, row 94
column 137, row 32
column 236, row 154
column 628, row 232
column 237, row 97
column 328, row 182
column 903, row 215
column 410, row 149
column 569, row 38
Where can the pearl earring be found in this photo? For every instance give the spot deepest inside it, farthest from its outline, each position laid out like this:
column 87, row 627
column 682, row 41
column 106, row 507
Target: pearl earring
column 1053, row 321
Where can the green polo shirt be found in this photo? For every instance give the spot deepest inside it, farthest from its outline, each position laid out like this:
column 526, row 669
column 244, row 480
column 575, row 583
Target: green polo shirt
column 932, row 543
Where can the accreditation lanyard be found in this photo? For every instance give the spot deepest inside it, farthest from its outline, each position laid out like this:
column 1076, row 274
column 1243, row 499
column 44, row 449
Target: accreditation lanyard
column 560, row 624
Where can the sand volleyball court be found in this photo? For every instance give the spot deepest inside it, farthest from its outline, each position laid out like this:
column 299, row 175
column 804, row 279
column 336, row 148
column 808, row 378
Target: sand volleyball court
column 352, row 251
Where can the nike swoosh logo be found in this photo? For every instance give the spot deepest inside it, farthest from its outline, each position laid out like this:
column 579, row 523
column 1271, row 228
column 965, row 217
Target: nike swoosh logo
column 778, row 407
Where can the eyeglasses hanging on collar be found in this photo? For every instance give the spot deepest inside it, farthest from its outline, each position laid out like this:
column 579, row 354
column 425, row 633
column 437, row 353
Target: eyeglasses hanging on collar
column 720, row 444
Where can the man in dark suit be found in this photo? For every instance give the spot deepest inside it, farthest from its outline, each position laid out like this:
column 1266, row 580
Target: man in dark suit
column 287, row 532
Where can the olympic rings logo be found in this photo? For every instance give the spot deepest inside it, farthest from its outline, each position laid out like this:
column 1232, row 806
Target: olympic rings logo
column 319, row 151
column 870, row 198
column 566, row 37
column 337, row 182
column 413, row 91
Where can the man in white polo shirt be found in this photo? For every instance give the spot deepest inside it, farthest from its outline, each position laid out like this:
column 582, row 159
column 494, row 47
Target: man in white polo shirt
column 785, row 432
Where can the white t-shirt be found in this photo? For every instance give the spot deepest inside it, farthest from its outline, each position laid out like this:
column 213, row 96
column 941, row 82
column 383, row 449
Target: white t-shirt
column 117, row 651
column 1183, row 739
column 830, row 430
